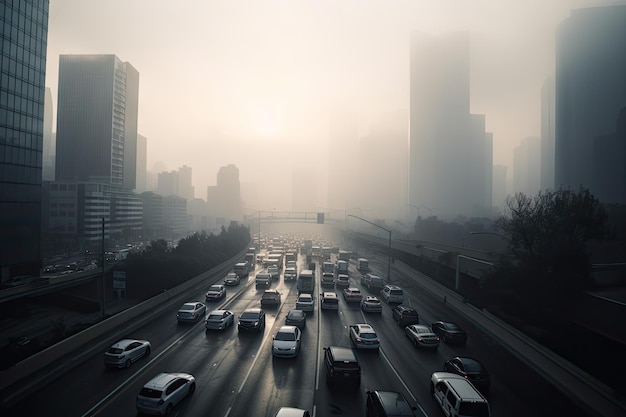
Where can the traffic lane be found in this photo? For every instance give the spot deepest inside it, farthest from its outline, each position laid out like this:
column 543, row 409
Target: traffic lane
column 218, row 360
column 376, row 372
column 76, row 391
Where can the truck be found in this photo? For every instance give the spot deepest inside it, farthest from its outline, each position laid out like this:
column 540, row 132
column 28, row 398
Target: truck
column 362, row 264
column 328, row 267
column 242, row 269
column 263, row 279
column 341, row 267
column 306, row 281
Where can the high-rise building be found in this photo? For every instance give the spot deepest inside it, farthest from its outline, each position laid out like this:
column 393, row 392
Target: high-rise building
column 97, row 116
column 448, row 146
column 142, row 164
column 224, row 199
column 499, row 188
column 547, row 134
column 168, row 183
column 526, row 162
column 590, row 91
column 185, row 189
column 49, row 139
column 23, row 44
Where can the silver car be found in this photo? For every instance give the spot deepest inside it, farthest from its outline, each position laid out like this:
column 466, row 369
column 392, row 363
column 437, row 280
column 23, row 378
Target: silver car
column 286, row 343
column 191, row 312
column 219, row 319
column 164, row 391
column 364, row 336
column 123, row 353
column 232, row 279
column 422, row 336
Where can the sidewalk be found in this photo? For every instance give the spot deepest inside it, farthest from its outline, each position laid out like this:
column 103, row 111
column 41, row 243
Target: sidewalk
column 592, row 395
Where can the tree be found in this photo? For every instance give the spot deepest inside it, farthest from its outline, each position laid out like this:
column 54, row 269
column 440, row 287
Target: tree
column 548, row 237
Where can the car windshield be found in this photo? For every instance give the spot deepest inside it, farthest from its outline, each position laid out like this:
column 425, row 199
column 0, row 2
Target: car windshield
column 250, row 315
column 215, row 317
column 290, row 337
column 452, row 326
column 188, row 307
column 215, row 288
column 295, row 314
column 115, row 351
column 472, row 367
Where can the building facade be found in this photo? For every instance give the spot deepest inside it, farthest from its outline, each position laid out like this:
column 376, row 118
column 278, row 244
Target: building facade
column 97, row 116
column 23, row 44
column 448, row 146
column 590, row 92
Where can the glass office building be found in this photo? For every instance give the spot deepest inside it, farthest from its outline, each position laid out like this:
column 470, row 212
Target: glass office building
column 23, row 44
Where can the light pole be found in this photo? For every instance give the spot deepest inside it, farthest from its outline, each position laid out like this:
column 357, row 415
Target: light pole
column 386, row 230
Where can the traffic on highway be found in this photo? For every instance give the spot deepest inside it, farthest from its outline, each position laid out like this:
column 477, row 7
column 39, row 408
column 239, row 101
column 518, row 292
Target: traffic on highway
column 250, row 350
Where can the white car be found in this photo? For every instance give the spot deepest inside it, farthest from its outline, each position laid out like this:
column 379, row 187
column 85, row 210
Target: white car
column 191, row 312
column 164, row 391
column 123, row 353
column 364, row 336
column 422, row 336
column 287, row 341
column 219, row 319
column 305, row 302
column 232, row 279
column 371, row 304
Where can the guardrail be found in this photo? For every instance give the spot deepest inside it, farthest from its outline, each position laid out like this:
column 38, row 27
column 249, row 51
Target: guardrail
column 43, row 367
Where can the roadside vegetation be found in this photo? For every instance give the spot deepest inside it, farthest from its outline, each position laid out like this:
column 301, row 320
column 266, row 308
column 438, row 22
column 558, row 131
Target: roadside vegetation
column 160, row 267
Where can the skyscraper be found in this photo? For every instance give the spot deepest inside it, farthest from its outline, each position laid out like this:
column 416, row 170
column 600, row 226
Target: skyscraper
column 23, row 43
column 142, row 164
column 590, row 90
column 224, row 199
column 49, row 140
column 547, row 134
column 448, row 146
column 97, row 116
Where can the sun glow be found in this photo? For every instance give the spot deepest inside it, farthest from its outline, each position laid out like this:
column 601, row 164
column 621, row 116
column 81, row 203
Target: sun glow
column 264, row 121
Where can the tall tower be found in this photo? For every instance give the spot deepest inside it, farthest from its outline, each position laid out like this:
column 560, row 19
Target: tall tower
column 97, row 117
column 22, row 92
column 228, row 193
column 49, row 145
column 448, row 146
column 590, row 89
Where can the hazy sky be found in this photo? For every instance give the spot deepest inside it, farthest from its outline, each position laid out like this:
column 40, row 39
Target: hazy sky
column 226, row 81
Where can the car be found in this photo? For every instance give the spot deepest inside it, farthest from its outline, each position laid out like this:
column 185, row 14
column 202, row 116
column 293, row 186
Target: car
column 232, row 279
column 164, row 391
column 296, row 317
column 328, row 279
column 273, row 271
column 387, row 404
column 422, row 336
column 371, row 304
column 329, row 301
column 263, row 278
column 286, row 342
column 270, row 297
column 123, row 353
column 470, row 369
column 449, row 332
column 252, row 319
column 373, row 282
column 392, row 294
column 405, row 315
column 343, row 280
column 292, row 412
column 305, row 302
column 457, row 396
column 352, row 295
column 193, row 311
column 219, row 320
column 364, row 336
column 342, row 366
column 216, row 292
column 291, row 274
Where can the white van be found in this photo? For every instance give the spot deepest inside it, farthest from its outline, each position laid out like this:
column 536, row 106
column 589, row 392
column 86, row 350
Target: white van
column 457, row 396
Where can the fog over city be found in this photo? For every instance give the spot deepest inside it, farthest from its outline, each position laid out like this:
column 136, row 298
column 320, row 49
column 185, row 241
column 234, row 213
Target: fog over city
column 259, row 84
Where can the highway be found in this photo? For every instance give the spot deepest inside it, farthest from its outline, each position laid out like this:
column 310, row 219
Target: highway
column 236, row 374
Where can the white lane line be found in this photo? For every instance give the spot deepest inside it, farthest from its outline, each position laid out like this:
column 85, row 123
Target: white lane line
column 402, row 381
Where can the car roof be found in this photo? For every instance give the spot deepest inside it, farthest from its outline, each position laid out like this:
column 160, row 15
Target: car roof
column 342, row 353
column 329, row 294
column 421, row 327
column 352, row 289
column 252, row 310
column 161, row 380
column 394, row 403
column 124, row 343
column 371, row 298
column 365, row 328
column 218, row 312
column 393, row 287
column 287, row 329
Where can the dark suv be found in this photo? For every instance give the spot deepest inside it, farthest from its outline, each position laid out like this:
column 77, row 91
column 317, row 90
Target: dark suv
column 342, row 365
column 252, row 319
column 387, row 404
column 405, row 316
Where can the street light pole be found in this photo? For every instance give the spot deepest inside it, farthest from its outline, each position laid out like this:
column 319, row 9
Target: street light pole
column 389, row 251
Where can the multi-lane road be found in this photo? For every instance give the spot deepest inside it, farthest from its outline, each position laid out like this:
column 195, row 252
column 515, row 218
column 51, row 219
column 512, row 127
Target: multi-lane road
column 236, row 374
